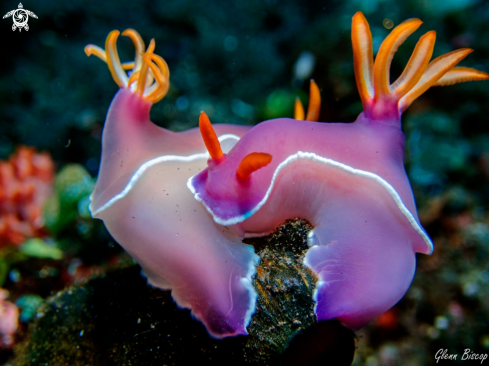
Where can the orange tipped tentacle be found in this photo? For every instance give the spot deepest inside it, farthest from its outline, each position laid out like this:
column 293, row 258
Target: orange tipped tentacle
column 149, row 81
column 161, row 73
column 100, row 53
column 91, row 49
column 149, row 51
column 143, row 72
column 435, row 70
column 142, row 77
column 134, row 77
column 460, row 75
column 416, row 65
column 158, row 89
column 150, row 76
column 298, row 110
column 388, row 101
column 138, row 45
column 209, row 136
column 113, row 61
column 314, row 102
column 153, row 92
column 151, row 46
column 361, row 39
column 164, row 73
column 386, row 52
column 161, row 63
column 128, row 65
column 251, row 163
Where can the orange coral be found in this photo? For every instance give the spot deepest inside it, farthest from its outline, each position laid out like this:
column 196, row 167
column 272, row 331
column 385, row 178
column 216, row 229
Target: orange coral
column 26, row 180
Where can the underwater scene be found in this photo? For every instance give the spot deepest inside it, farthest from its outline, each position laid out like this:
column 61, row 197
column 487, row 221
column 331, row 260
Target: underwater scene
column 269, row 182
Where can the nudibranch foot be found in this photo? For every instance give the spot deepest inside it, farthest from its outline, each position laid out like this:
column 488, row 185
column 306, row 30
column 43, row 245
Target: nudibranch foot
column 385, row 101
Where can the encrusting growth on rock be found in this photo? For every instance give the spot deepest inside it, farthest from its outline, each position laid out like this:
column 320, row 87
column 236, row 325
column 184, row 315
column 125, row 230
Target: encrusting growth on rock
column 285, row 304
column 97, row 323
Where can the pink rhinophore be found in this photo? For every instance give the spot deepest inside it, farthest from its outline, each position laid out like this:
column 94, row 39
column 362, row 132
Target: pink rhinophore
column 141, row 196
column 347, row 179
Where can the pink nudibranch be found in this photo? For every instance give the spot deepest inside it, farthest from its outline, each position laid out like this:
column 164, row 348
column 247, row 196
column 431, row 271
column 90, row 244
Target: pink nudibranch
column 347, row 179
column 141, row 196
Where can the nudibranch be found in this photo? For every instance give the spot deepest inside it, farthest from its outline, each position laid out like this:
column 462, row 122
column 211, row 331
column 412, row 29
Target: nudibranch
column 347, row 179
column 141, row 196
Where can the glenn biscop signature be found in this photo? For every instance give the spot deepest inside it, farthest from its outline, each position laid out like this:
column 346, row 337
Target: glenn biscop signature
column 443, row 354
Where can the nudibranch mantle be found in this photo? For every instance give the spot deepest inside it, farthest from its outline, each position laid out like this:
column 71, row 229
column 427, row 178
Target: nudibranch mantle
column 141, row 196
column 354, row 191
column 138, row 144
column 314, row 157
column 362, row 159
column 227, row 140
column 347, row 179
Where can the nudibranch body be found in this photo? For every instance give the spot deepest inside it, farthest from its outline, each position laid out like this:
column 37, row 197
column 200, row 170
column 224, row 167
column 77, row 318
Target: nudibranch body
column 347, row 179
column 141, row 196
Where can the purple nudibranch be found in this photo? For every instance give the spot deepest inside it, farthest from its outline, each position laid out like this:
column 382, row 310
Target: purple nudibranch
column 142, row 197
column 348, row 180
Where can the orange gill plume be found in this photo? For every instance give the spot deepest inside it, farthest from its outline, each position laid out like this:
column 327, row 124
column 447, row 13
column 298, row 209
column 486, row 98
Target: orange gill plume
column 148, row 75
column 314, row 104
column 380, row 98
column 209, row 136
column 251, row 163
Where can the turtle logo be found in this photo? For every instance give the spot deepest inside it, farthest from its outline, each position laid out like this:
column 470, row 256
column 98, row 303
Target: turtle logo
column 20, row 17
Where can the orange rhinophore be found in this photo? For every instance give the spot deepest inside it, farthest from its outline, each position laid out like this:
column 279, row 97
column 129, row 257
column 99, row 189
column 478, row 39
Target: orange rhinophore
column 251, row 163
column 209, row 136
